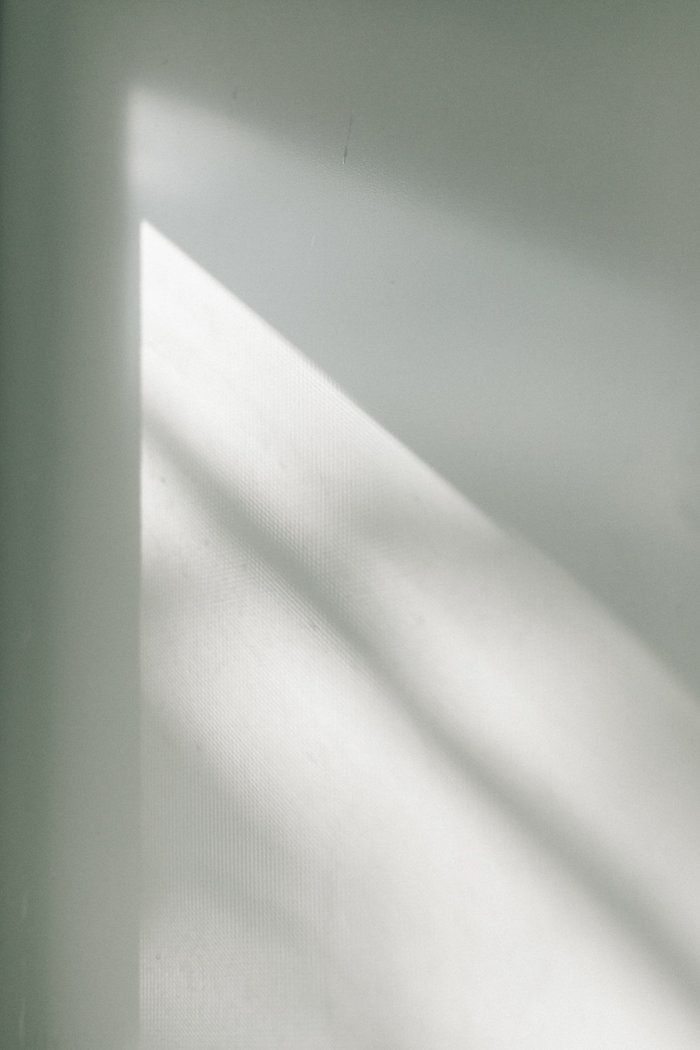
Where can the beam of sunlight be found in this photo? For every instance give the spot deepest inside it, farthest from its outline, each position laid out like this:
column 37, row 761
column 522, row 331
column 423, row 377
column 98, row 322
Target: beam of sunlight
column 557, row 390
column 406, row 784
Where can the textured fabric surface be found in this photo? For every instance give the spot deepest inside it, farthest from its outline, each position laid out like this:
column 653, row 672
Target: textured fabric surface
column 406, row 785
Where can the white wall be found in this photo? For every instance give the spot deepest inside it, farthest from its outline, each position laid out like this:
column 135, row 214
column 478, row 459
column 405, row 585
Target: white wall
column 69, row 448
column 502, row 268
column 477, row 219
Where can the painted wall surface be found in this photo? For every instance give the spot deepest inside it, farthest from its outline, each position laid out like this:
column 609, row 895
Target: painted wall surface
column 479, row 222
column 69, row 457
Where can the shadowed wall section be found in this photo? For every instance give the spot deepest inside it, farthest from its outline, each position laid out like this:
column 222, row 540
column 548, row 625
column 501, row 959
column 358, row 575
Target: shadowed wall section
column 406, row 784
column 69, row 533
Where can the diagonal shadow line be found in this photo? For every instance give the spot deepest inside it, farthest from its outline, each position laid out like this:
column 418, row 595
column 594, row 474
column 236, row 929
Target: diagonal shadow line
column 545, row 822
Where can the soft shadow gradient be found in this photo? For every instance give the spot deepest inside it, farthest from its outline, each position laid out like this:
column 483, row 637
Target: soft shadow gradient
column 327, row 617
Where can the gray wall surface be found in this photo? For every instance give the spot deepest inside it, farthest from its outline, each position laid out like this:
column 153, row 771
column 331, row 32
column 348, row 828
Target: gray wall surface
column 479, row 220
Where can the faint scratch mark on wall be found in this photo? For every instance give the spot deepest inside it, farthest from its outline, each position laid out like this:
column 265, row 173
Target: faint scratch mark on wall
column 347, row 140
